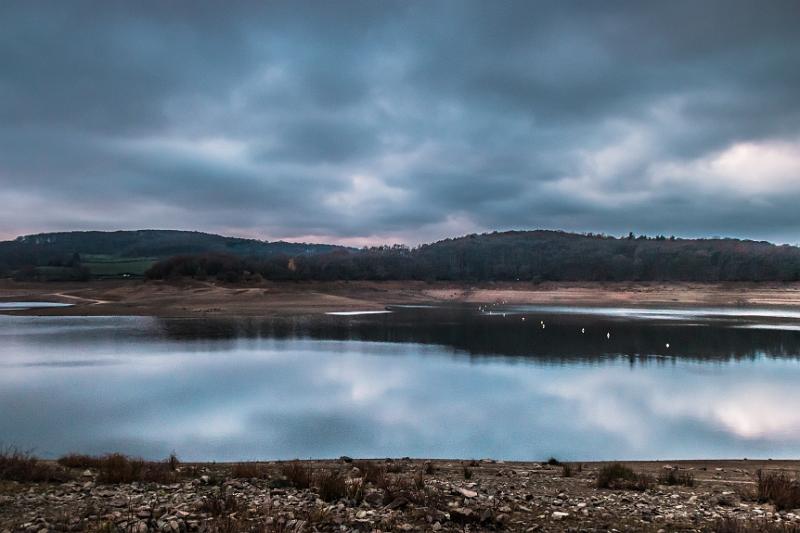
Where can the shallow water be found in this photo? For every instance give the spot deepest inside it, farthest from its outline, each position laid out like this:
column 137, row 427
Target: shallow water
column 424, row 382
column 20, row 306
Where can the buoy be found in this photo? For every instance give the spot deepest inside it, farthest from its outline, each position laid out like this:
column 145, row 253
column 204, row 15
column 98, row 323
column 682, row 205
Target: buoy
column 523, row 319
column 583, row 330
column 608, row 335
column 667, row 345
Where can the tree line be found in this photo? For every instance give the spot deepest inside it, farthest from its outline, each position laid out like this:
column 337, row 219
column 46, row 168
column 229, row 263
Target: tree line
column 509, row 256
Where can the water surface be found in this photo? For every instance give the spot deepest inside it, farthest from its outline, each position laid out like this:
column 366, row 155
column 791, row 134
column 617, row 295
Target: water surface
column 424, row 382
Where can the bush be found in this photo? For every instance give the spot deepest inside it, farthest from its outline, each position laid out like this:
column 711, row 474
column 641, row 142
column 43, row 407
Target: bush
column 118, row 468
column 299, row 475
column 553, row 462
column 75, row 460
column 249, row 471
column 16, row 465
column 779, row 489
column 331, row 486
column 673, row 477
column 566, row 470
column 619, row 476
column 467, row 473
column 371, row 471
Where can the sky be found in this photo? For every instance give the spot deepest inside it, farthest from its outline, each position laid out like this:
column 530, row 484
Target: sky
column 401, row 121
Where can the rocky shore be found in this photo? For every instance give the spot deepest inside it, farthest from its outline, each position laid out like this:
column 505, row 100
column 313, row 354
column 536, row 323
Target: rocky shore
column 397, row 495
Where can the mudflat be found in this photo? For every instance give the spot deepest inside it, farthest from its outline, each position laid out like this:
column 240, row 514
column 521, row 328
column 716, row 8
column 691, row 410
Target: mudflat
column 209, row 298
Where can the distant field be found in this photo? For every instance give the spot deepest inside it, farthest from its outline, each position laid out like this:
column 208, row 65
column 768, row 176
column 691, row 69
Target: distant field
column 109, row 265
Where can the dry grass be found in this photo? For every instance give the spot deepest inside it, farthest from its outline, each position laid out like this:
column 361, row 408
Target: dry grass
column 566, row 470
column 249, row 471
column 778, row 488
column 371, row 471
column 17, row 465
column 117, row 468
column 732, row 525
column 619, row 477
column 467, row 473
column 331, row 486
column 298, row 474
column 674, row 477
column 76, row 460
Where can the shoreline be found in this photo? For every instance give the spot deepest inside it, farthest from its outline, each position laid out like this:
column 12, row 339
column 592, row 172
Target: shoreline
column 399, row 495
column 270, row 299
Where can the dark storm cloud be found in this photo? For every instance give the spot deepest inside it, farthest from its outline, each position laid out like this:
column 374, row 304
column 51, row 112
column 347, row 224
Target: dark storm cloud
column 365, row 121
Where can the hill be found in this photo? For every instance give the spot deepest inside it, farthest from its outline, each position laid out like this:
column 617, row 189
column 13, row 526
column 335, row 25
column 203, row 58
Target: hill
column 81, row 254
column 522, row 255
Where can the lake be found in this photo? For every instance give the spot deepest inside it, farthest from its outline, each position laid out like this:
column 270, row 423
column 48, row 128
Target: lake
column 505, row 382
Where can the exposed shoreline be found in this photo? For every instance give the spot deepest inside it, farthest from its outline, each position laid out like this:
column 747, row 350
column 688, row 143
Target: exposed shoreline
column 401, row 495
column 195, row 298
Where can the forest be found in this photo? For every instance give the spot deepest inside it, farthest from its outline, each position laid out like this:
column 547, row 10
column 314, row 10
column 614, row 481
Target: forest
column 511, row 256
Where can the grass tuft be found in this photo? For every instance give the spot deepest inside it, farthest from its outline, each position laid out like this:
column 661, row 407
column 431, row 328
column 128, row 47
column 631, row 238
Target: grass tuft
column 566, row 470
column 779, row 489
column 298, row 474
column 249, row 471
column 331, row 486
column 620, row 477
column 673, row 477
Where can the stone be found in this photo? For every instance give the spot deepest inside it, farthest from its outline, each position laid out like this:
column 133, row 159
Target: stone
column 467, row 493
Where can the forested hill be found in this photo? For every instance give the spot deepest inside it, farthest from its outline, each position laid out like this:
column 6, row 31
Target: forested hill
column 515, row 255
column 78, row 254
column 519, row 255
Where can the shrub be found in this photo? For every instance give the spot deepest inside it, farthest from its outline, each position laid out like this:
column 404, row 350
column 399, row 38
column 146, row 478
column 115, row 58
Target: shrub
column 553, row 462
column 299, row 475
column 249, row 471
column 467, row 473
column 566, row 470
column 331, row 486
column 619, row 476
column 429, row 468
column 673, row 477
column 16, row 465
column 779, row 489
column 75, row 460
column 118, row 468
column 371, row 472
column 219, row 503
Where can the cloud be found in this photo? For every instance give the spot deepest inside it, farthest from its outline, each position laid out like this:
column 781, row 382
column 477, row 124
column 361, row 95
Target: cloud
column 400, row 121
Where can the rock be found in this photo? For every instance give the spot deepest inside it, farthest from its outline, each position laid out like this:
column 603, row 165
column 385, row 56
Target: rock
column 462, row 515
column 467, row 493
column 558, row 515
column 397, row 503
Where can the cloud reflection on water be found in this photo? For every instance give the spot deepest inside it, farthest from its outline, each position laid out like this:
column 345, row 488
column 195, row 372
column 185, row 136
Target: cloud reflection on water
column 250, row 398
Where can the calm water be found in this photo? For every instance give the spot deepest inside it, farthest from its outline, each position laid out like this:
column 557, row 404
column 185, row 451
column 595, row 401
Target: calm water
column 422, row 382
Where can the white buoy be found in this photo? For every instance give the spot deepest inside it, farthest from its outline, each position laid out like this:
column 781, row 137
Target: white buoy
column 667, row 345
column 523, row 319
column 542, row 325
column 608, row 335
column 583, row 330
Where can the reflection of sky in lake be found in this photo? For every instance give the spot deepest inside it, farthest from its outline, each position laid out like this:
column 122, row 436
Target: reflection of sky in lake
column 131, row 384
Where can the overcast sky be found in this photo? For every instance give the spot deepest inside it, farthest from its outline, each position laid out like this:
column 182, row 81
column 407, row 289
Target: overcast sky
column 403, row 121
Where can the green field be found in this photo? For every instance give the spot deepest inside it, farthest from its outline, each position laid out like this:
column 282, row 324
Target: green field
column 112, row 266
